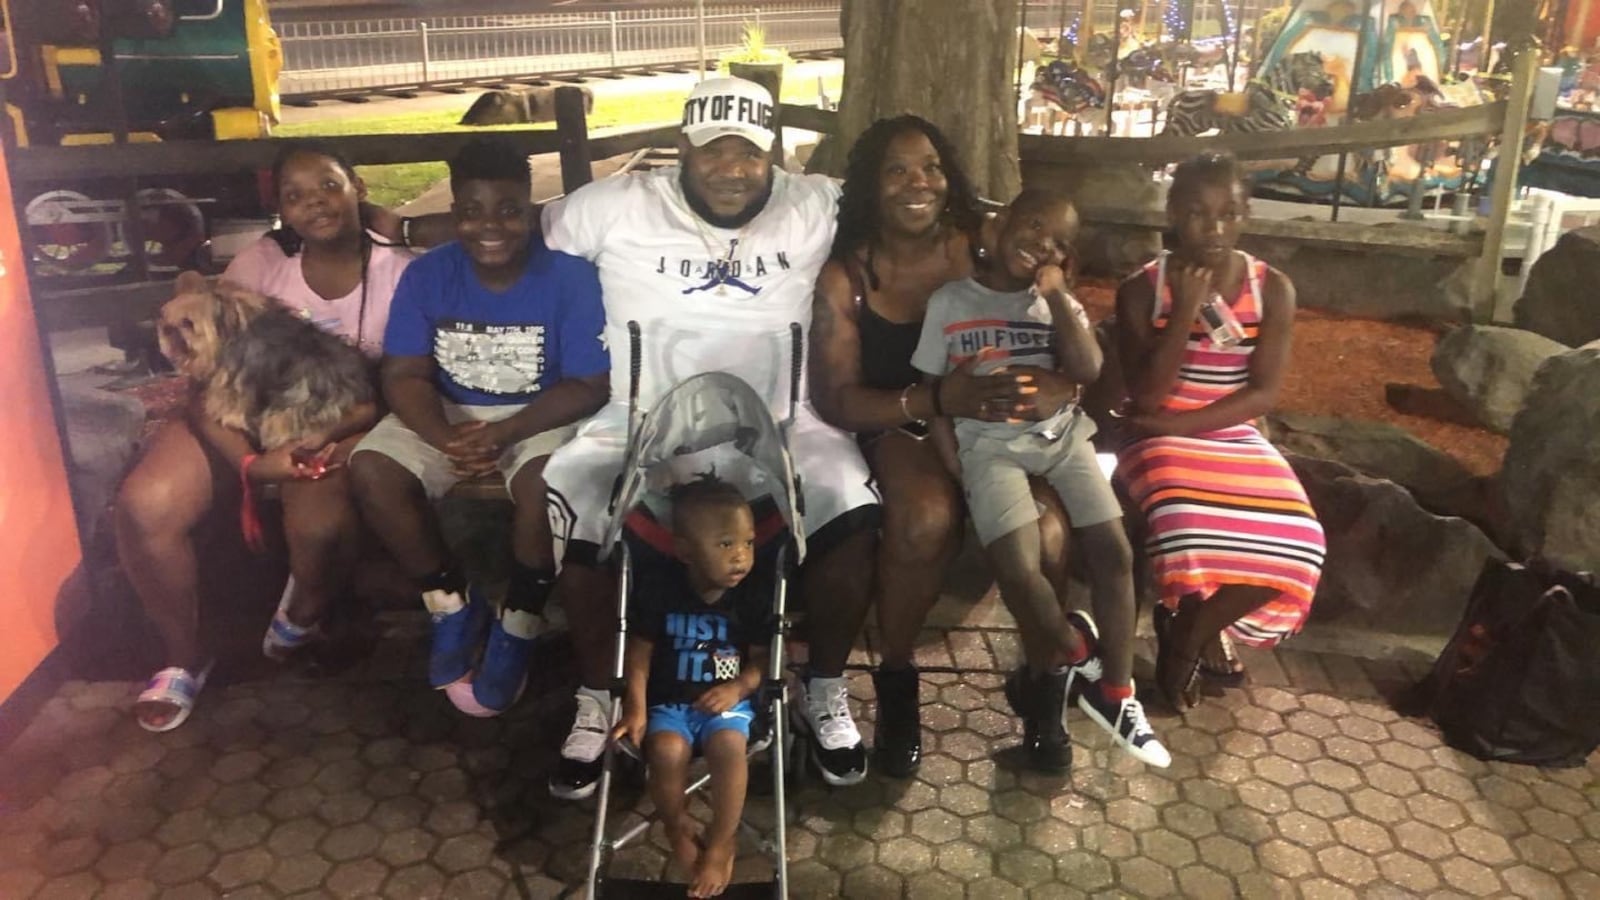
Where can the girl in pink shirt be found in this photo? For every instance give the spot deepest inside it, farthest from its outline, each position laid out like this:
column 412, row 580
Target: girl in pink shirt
column 323, row 263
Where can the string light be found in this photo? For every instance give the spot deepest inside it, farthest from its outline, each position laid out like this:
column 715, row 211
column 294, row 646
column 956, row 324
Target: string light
column 1072, row 33
column 1228, row 17
column 1172, row 18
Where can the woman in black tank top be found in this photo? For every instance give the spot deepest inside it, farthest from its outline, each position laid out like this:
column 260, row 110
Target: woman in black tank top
column 904, row 222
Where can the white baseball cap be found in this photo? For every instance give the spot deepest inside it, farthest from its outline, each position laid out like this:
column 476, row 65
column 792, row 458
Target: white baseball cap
column 723, row 106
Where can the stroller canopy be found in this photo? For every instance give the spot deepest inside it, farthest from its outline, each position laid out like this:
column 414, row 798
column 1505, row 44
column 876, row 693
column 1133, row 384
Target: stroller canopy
column 709, row 423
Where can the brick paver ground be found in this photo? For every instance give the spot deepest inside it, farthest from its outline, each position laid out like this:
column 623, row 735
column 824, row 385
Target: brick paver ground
column 1305, row 783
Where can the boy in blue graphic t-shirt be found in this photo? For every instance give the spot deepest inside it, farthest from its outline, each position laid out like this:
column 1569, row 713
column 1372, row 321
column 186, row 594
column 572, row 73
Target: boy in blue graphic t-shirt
column 1017, row 311
column 493, row 352
column 692, row 663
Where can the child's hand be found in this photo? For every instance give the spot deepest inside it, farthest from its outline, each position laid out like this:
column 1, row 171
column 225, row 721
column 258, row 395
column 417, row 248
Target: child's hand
column 720, row 698
column 631, row 728
column 1190, row 289
column 1050, row 282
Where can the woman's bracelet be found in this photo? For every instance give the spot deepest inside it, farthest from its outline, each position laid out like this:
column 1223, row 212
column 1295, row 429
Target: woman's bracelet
column 905, row 406
column 938, row 403
column 405, row 231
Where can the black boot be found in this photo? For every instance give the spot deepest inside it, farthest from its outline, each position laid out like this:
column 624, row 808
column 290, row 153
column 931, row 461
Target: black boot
column 899, row 742
column 1041, row 703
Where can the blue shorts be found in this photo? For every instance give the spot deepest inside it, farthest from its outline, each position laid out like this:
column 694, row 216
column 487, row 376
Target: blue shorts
column 696, row 726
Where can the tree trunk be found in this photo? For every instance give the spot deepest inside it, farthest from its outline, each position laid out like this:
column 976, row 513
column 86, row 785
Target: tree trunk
column 951, row 63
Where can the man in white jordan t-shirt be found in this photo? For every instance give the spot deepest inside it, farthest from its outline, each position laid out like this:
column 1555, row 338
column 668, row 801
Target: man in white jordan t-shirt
column 714, row 260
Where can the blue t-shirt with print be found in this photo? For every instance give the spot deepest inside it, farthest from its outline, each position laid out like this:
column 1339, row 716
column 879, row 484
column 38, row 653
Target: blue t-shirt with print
column 500, row 348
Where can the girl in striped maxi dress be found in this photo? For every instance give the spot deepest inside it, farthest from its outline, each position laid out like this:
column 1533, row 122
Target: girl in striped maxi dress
column 1234, row 543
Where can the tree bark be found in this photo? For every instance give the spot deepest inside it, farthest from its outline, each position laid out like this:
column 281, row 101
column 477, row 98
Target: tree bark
column 951, row 63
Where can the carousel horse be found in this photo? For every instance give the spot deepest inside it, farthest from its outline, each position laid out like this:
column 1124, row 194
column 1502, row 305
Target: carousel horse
column 1267, row 104
column 1069, row 86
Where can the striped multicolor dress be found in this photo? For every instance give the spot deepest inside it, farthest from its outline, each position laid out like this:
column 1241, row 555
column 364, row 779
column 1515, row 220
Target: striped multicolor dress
column 1223, row 507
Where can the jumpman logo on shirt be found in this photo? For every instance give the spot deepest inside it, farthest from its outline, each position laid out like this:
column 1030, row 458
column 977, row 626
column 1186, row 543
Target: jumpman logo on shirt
column 720, row 272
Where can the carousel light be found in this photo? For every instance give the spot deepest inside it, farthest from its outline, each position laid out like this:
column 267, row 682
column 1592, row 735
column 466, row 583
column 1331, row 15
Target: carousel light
column 1172, row 17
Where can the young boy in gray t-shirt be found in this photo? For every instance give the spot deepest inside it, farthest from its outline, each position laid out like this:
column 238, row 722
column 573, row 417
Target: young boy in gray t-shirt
column 1017, row 311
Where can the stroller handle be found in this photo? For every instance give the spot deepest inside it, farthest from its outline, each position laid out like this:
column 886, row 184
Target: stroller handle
column 797, row 349
column 635, row 367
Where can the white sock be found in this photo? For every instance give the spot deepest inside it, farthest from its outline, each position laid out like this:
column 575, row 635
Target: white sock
column 443, row 603
column 521, row 623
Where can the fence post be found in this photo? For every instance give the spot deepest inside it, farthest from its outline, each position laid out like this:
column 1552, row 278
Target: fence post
column 611, row 19
column 758, row 17
column 1486, row 302
column 422, row 33
column 573, row 126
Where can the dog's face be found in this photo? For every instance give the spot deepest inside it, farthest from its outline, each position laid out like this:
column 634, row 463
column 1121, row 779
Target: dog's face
column 194, row 325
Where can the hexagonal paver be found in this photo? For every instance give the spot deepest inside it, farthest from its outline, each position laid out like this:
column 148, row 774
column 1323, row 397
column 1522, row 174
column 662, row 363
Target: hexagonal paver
column 397, row 813
column 1470, row 876
column 1304, row 829
column 416, row 881
column 905, row 855
column 1145, row 878
column 405, row 847
column 993, row 833
column 1363, row 835
column 1379, row 806
column 181, row 864
column 357, row 878
column 936, row 826
column 1483, row 845
column 873, row 881
column 242, row 867
column 1407, row 872
column 846, row 850
column 1200, row 881
column 71, row 887
column 1280, row 771
column 1168, row 848
column 1286, row 859
column 1226, row 854
column 1348, row 865
column 1084, row 870
column 1132, row 814
column 964, row 799
column 964, row 861
column 933, row 884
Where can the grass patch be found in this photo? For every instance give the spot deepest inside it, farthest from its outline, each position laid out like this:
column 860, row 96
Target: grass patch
column 401, row 183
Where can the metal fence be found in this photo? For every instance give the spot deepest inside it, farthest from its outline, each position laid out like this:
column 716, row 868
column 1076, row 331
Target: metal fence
column 328, row 57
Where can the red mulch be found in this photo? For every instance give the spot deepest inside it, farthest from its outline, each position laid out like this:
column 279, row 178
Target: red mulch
column 1341, row 366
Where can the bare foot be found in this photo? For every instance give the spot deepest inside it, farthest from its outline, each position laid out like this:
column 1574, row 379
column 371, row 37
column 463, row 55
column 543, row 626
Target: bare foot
column 685, row 844
column 714, row 871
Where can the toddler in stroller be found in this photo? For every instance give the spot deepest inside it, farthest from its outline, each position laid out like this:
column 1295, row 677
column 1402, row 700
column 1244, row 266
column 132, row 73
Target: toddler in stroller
column 693, row 662
column 706, row 530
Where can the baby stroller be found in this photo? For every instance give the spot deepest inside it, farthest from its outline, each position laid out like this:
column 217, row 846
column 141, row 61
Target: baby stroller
column 713, row 421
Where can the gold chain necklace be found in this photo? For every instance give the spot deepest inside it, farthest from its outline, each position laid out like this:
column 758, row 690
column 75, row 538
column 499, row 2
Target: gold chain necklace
column 718, row 270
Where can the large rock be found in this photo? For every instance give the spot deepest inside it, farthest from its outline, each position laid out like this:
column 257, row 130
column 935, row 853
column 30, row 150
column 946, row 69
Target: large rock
column 1379, row 450
column 1560, row 301
column 1369, row 283
column 1392, row 565
column 1490, row 369
column 1104, row 249
column 521, row 105
column 1552, row 470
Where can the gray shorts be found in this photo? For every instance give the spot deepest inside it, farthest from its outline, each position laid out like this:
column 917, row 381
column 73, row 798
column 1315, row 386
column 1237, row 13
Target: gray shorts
column 994, row 476
column 393, row 439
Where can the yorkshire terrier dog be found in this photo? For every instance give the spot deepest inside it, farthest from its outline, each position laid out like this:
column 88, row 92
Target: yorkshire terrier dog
column 261, row 368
